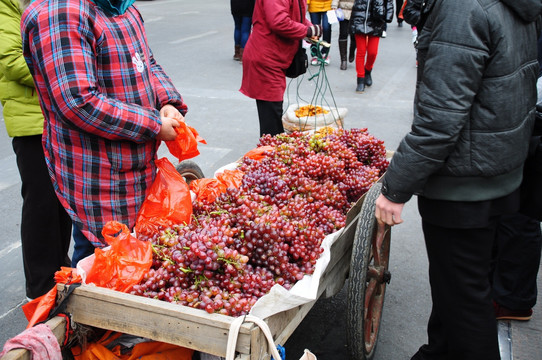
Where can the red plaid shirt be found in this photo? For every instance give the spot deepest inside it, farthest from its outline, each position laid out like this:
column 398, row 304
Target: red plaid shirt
column 99, row 89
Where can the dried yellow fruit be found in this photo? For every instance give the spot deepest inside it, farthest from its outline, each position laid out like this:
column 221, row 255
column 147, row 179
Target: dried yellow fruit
column 310, row 110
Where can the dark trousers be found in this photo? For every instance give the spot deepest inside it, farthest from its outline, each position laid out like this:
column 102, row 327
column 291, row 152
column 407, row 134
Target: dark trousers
column 459, row 238
column 320, row 18
column 82, row 247
column 517, row 253
column 344, row 31
column 270, row 116
column 45, row 225
column 241, row 31
column 462, row 324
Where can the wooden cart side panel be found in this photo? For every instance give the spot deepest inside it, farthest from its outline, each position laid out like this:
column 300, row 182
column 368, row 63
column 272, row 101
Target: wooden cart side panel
column 156, row 320
column 288, row 321
column 58, row 327
column 259, row 347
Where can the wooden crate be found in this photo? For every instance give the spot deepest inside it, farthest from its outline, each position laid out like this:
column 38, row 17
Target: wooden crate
column 194, row 328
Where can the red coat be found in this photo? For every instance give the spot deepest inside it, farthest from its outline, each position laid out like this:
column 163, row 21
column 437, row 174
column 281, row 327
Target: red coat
column 271, row 47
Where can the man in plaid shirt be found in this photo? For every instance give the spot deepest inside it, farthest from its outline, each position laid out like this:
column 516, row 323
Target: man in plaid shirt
column 107, row 106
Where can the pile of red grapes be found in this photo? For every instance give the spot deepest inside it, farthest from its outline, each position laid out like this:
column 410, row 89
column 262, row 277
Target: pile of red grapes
column 269, row 230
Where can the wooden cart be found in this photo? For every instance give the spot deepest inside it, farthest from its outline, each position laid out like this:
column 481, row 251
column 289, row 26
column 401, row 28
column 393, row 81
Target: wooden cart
column 360, row 253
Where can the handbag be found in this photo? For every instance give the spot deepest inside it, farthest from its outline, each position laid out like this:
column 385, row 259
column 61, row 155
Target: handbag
column 300, row 62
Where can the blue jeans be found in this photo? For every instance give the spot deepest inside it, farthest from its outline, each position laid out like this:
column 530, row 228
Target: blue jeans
column 82, row 247
column 320, row 18
column 243, row 24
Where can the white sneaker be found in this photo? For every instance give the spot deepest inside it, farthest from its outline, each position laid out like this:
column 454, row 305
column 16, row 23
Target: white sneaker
column 414, row 36
column 326, row 60
column 384, row 34
column 314, row 61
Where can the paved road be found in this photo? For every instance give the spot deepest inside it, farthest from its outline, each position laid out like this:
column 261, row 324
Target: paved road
column 192, row 40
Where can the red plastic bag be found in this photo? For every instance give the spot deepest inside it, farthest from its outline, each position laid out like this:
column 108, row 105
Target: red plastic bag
column 124, row 263
column 259, row 153
column 231, row 178
column 168, row 201
column 185, row 145
column 207, row 190
column 38, row 309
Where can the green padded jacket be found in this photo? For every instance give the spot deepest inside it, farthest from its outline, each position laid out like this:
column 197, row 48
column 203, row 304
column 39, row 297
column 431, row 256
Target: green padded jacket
column 22, row 112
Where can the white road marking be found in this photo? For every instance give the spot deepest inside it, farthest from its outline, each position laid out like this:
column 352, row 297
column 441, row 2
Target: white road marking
column 6, row 250
column 208, row 33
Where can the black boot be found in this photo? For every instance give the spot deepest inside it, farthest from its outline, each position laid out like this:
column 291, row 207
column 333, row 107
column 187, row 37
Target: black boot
column 368, row 78
column 352, row 52
column 361, row 85
column 342, row 52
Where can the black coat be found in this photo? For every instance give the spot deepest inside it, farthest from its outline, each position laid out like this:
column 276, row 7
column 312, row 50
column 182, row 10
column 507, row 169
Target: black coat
column 242, row 7
column 369, row 17
column 416, row 11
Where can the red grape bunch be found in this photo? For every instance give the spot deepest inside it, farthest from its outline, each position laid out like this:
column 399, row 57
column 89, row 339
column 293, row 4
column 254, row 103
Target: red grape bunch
column 269, row 230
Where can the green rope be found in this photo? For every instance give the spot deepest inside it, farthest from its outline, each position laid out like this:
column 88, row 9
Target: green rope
column 322, row 88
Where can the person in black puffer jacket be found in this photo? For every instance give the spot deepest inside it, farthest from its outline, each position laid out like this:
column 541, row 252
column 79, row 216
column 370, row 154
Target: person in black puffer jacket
column 241, row 11
column 518, row 242
column 473, row 118
column 368, row 22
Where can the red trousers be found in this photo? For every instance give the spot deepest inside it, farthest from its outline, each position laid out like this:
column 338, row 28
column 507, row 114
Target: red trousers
column 367, row 46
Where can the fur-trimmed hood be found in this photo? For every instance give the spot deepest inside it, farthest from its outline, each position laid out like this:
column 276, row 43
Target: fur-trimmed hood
column 25, row 3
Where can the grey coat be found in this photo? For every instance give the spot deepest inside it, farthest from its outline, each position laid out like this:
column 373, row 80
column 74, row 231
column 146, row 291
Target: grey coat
column 474, row 104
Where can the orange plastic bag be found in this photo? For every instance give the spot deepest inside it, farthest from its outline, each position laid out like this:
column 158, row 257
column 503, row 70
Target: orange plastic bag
column 231, row 178
column 207, row 190
column 168, row 201
column 185, row 145
column 38, row 309
column 149, row 350
column 124, row 263
column 259, row 153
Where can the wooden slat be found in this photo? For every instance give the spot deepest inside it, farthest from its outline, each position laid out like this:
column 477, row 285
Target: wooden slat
column 155, row 319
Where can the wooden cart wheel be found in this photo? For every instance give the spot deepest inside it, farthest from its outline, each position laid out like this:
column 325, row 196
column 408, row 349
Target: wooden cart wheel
column 189, row 170
column 367, row 280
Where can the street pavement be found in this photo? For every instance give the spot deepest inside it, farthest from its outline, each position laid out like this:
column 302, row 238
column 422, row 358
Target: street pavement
column 193, row 41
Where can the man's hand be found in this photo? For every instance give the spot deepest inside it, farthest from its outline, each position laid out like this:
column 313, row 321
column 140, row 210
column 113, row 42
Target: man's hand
column 171, row 118
column 167, row 131
column 171, row 111
column 388, row 212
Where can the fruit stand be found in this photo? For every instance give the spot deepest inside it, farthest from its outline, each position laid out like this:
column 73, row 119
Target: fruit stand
column 360, row 253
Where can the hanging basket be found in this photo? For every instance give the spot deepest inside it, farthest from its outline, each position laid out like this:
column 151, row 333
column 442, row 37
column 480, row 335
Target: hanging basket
column 325, row 117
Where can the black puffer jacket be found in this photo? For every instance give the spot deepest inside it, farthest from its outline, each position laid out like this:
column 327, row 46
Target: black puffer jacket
column 242, row 7
column 412, row 13
column 475, row 103
column 369, row 17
